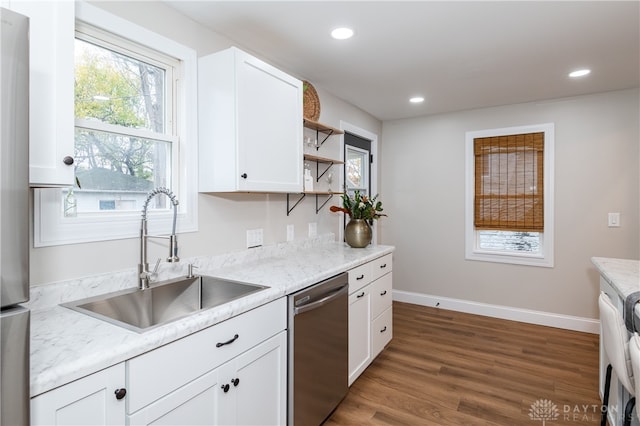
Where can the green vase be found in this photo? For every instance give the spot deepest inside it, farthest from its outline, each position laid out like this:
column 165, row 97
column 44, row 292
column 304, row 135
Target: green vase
column 358, row 233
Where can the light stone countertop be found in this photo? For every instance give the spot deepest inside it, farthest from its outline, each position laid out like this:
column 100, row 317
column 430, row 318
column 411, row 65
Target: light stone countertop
column 624, row 277
column 622, row 274
column 67, row 345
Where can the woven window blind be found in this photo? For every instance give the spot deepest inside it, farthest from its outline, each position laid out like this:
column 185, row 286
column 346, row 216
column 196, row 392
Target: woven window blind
column 509, row 186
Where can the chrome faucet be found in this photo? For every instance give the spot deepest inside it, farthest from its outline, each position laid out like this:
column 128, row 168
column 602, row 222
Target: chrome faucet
column 145, row 276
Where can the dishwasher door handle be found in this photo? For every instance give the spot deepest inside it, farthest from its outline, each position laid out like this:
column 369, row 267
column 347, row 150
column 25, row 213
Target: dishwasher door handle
column 318, row 303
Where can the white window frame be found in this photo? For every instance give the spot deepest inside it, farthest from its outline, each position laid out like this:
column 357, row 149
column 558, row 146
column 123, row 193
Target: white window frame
column 545, row 257
column 51, row 228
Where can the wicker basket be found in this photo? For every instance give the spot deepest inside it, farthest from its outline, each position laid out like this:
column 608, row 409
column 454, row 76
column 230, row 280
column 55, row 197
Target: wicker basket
column 310, row 102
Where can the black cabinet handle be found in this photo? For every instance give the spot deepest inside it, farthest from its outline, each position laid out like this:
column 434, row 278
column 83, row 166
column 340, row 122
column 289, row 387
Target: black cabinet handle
column 68, row 160
column 383, row 293
column 120, row 393
column 360, row 277
column 235, row 381
column 228, row 342
column 360, row 295
column 225, row 387
column 383, row 266
column 384, row 329
column 243, row 176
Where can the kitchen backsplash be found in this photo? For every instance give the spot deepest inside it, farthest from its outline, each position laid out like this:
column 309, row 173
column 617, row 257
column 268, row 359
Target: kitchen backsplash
column 50, row 294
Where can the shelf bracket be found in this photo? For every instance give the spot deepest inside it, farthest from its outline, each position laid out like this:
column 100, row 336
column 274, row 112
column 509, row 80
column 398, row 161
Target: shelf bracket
column 323, row 204
column 329, row 132
column 318, row 174
column 290, row 208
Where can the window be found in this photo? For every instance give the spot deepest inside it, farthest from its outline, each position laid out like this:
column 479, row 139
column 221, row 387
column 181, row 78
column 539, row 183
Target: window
column 509, row 195
column 134, row 131
column 124, row 109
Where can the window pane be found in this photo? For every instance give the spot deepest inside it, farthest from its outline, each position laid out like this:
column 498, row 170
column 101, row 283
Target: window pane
column 355, row 170
column 118, row 89
column 117, row 171
column 528, row 242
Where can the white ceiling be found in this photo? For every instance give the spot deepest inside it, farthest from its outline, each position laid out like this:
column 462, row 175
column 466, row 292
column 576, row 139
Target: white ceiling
column 458, row 55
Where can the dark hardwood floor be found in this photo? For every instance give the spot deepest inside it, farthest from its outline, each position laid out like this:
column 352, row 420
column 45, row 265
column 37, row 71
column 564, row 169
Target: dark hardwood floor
column 450, row 368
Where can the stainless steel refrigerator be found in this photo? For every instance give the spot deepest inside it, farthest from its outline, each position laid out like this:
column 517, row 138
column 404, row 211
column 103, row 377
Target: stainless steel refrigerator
column 14, row 219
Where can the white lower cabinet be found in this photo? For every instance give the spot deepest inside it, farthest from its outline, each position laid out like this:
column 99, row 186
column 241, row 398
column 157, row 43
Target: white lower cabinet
column 91, row 400
column 370, row 313
column 257, row 386
column 359, row 332
column 247, row 390
column 233, row 373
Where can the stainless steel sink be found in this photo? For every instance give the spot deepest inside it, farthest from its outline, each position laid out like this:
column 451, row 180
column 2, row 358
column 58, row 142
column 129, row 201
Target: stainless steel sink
column 141, row 310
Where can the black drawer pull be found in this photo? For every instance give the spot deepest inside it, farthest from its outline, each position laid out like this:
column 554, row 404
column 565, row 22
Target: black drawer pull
column 383, row 266
column 225, row 387
column 383, row 293
column 360, row 277
column 384, row 329
column 360, row 295
column 228, row 342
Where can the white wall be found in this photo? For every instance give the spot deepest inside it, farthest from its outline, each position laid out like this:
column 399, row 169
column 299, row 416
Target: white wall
column 223, row 219
column 596, row 172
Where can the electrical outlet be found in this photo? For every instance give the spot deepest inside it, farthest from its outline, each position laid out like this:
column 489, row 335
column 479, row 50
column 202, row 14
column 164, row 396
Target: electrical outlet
column 290, row 233
column 313, row 229
column 254, row 238
column 614, row 220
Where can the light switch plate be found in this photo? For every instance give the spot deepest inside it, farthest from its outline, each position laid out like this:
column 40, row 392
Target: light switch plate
column 614, row 220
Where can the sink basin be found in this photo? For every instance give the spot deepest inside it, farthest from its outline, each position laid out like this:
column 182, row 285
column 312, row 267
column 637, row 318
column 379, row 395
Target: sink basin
column 141, row 310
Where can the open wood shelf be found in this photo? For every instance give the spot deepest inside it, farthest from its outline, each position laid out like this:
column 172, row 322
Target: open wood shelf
column 322, row 159
column 321, row 127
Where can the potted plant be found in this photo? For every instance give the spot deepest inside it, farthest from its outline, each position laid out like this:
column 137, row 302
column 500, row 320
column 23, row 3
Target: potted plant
column 362, row 211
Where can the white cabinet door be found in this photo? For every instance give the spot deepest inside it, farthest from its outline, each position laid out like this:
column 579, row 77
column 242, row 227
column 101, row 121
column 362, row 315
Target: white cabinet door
column 250, row 125
column 51, row 95
column 359, row 332
column 87, row 401
column 257, row 386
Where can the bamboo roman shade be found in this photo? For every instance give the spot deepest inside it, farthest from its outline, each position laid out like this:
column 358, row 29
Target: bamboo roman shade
column 509, row 182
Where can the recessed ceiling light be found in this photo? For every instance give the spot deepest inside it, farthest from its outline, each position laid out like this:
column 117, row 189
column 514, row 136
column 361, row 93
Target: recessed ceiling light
column 416, row 99
column 579, row 73
column 342, row 33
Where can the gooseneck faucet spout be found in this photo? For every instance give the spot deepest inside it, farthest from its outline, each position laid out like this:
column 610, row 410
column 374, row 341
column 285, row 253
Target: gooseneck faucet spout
column 145, row 276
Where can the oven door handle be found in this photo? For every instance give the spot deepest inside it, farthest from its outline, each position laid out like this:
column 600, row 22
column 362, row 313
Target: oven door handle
column 317, row 304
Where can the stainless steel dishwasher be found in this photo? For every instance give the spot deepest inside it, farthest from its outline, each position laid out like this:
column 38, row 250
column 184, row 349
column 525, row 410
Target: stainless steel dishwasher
column 318, row 350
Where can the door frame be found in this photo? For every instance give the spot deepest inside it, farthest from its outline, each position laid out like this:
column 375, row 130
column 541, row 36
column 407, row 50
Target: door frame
column 373, row 137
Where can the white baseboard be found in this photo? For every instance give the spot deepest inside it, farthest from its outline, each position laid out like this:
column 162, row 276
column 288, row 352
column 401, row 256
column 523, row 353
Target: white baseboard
column 587, row 325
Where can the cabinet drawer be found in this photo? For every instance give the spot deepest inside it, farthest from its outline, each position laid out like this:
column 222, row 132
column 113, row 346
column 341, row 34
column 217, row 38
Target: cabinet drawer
column 359, row 277
column 381, row 331
column 381, row 266
column 180, row 362
column 381, row 294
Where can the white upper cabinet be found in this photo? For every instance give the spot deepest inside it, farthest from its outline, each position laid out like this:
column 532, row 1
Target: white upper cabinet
column 51, row 115
column 250, row 125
